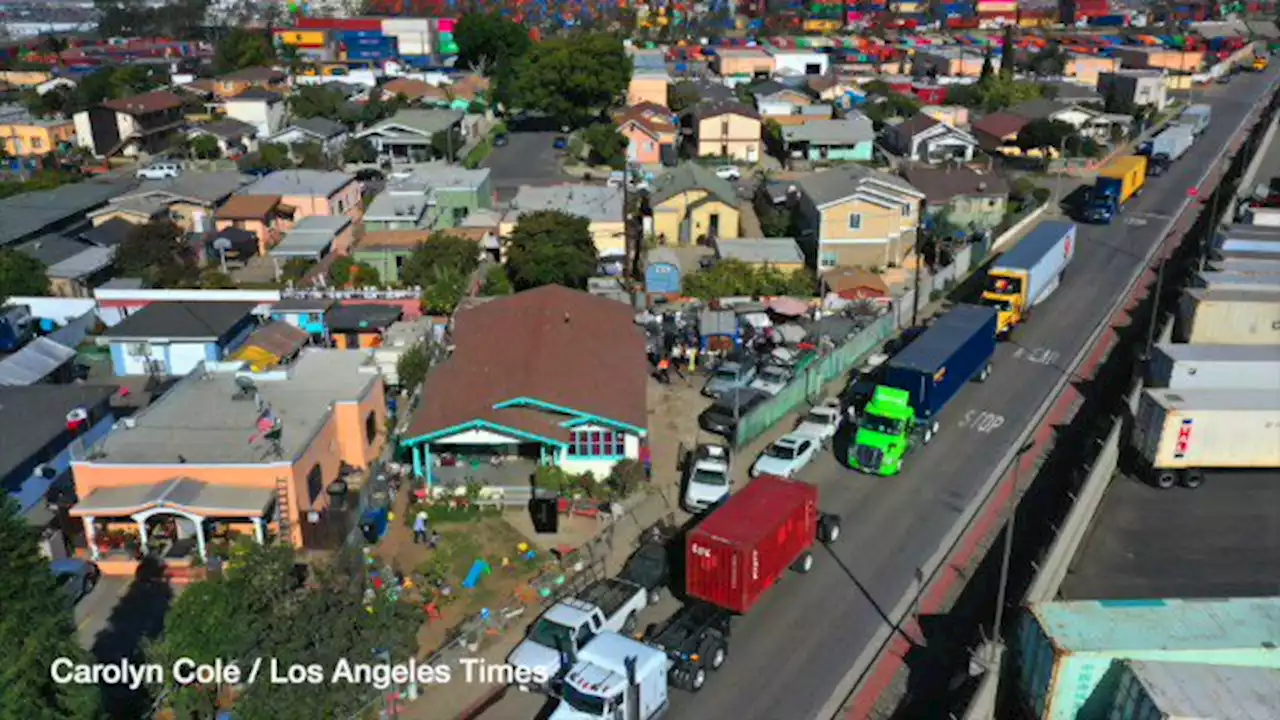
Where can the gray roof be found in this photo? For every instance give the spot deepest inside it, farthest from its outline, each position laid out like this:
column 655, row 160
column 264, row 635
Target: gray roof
column 419, row 188
column 692, row 176
column 593, row 202
column 202, row 187
column 843, row 182
column 414, row 123
column 708, row 90
column 52, row 248
column 287, row 305
column 942, row 184
column 33, row 362
column 226, row 128
column 662, row 256
column 315, row 183
column 208, row 321
column 35, row 416
column 29, row 213
column 851, row 130
column 348, row 317
column 318, row 126
column 776, row 251
column 110, row 233
column 256, row 93
column 301, row 399
column 182, row 492
column 84, row 263
column 311, row 237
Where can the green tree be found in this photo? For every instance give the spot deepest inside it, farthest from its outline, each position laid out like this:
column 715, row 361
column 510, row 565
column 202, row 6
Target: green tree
column 310, row 101
column 1045, row 135
column 682, row 97
column 447, row 143
column 204, row 147
column 608, row 146
column 727, row 278
column 243, row 48
column 496, row 282
column 36, row 627
column 775, row 221
column 359, row 151
column 156, row 253
column 1008, row 55
column 575, row 79
column 346, row 271
column 21, row 274
column 444, row 288
column 412, row 366
column 441, row 250
column 212, row 278
column 550, row 247
column 310, row 155
column 987, row 68
column 270, row 157
column 489, row 42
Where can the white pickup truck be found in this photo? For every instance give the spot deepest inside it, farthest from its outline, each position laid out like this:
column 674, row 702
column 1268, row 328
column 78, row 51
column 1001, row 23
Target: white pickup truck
column 557, row 636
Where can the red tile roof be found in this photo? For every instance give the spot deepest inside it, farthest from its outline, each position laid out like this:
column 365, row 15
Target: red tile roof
column 145, row 103
column 1000, row 124
column 558, row 346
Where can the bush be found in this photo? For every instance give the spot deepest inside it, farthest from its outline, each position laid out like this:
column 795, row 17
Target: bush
column 625, row 478
column 1023, row 188
column 1041, row 195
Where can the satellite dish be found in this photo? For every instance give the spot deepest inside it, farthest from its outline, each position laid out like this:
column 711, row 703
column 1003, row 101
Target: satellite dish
column 47, row 472
column 222, row 244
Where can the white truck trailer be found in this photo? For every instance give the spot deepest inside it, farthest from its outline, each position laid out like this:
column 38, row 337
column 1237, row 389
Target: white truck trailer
column 1237, row 281
column 1179, row 434
column 1178, row 366
column 615, row 678
column 1027, row 274
column 1229, row 317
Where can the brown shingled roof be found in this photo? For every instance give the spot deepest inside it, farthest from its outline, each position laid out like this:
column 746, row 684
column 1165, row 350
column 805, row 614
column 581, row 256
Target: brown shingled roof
column 278, row 338
column 145, row 103
column 247, row 207
column 413, row 89
column 551, row 344
column 1000, row 124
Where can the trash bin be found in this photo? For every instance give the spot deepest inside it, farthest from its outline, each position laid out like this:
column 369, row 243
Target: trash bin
column 545, row 515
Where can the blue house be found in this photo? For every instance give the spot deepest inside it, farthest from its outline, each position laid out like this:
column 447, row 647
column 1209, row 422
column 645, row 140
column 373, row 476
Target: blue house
column 172, row 338
column 305, row 314
column 662, row 272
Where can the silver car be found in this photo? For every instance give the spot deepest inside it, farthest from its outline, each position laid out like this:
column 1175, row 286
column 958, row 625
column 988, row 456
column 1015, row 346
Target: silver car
column 772, row 379
column 75, row 578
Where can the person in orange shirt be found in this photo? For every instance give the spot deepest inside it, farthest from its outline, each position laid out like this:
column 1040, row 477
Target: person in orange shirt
column 664, row 371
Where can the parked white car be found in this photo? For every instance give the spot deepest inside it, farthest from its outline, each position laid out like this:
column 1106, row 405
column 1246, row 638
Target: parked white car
column 786, row 456
column 160, row 171
column 772, row 379
column 728, row 172
column 822, row 421
column 708, row 478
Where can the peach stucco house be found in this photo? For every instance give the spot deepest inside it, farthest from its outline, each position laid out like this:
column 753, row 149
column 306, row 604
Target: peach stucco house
column 648, row 86
column 273, row 456
column 266, row 216
column 312, row 192
column 1086, row 68
column 649, row 131
column 742, row 63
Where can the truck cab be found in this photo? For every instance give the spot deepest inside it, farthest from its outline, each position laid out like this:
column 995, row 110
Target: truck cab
column 1104, row 201
column 885, row 426
column 1260, row 63
column 615, row 678
column 1006, row 294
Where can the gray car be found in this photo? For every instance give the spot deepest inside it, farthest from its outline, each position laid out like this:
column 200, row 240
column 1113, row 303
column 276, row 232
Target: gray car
column 75, row 578
column 728, row 376
column 772, row 379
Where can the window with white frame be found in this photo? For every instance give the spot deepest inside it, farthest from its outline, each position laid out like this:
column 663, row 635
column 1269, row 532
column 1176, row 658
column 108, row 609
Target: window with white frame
column 828, row 260
column 906, row 210
column 598, row 444
column 855, row 221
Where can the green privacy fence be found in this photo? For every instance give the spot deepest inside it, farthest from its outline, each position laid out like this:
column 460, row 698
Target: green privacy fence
column 807, row 388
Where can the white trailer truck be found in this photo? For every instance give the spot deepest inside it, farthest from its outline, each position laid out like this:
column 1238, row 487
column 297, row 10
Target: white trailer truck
column 1229, row 317
column 1179, row 434
column 1026, row 275
column 1178, row 366
column 615, row 678
column 1237, row 281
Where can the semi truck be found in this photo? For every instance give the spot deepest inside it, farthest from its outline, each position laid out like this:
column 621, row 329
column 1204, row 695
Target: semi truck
column 918, row 383
column 1197, row 116
column 1118, row 182
column 732, row 557
column 1179, row 434
column 1020, row 279
column 1165, row 149
column 1178, row 366
column 1228, row 317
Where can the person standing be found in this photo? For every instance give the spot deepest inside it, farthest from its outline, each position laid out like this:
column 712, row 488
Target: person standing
column 646, row 459
column 420, row 528
column 664, row 370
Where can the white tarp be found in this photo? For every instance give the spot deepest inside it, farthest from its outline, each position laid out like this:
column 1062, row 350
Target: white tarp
column 34, row 362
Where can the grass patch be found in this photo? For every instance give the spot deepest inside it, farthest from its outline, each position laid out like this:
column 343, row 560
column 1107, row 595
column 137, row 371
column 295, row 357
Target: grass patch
column 478, row 154
column 485, row 536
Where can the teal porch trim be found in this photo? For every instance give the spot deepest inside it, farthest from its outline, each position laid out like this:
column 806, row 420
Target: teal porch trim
column 579, row 417
column 478, row 424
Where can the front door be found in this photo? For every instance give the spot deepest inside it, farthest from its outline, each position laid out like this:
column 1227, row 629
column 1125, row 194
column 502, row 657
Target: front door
column 713, row 226
column 753, row 153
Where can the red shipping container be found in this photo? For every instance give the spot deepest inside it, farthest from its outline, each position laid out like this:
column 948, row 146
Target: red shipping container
column 930, row 94
column 962, row 23
column 745, row 545
column 316, row 23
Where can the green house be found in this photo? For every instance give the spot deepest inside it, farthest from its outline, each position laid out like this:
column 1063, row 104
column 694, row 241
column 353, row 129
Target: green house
column 970, row 200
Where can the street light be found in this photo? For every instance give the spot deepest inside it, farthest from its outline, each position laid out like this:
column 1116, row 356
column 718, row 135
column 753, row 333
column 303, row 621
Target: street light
column 1016, row 497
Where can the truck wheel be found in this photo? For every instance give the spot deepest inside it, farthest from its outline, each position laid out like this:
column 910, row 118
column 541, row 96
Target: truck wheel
column 680, row 678
column 828, row 529
column 655, row 596
column 1192, row 479
column 803, row 564
column 928, row 434
column 986, row 373
column 629, row 625
column 1166, row 479
column 697, row 678
column 713, row 654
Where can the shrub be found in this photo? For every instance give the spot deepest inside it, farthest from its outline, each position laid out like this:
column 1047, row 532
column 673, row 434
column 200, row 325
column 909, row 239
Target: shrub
column 1041, row 195
column 625, row 478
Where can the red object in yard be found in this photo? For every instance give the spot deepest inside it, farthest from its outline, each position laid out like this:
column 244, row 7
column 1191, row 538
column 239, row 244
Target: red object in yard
column 745, row 545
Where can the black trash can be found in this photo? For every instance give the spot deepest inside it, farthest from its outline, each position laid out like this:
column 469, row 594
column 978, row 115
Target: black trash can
column 544, row 512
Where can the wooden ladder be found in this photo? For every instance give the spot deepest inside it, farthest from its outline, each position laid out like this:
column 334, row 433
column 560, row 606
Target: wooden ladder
column 283, row 514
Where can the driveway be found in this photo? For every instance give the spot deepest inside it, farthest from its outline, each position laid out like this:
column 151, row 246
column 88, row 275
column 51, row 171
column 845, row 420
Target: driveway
column 529, row 158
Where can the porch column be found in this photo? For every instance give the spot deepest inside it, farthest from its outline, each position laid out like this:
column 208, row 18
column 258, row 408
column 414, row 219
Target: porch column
column 258, row 532
column 199, row 521
column 89, row 536
column 142, row 528
column 417, row 461
column 427, row 464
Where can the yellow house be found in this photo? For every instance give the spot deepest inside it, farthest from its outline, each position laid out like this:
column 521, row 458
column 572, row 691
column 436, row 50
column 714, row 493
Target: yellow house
column 25, row 135
column 601, row 206
column 728, row 129
column 853, row 216
column 692, row 205
column 648, row 87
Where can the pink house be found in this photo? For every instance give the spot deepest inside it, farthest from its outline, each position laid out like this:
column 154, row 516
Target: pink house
column 312, row 192
column 648, row 129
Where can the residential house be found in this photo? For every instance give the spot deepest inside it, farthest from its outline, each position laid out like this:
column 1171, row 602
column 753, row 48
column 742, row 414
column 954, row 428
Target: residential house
column 414, row 90
column 172, row 473
column 312, row 238
column 1074, row 92
column 311, row 192
column 189, row 200
column 128, row 126
column 24, row 135
column 833, row 90
column 949, row 61
column 1136, row 87
column 266, row 217
column 274, row 344
column 429, row 196
column 331, row 135
column 651, row 135
column 61, row 210
column 957, row 116
column 388, row 250
column 649, row 86
column 854, row 283
column 852, row 138
column 739, row 65
column 781, row 253
column 800, row 63
column 1085, row 69
column 131, row 209
column 998, row 130
column 968, row 200
column 467, row 91
column 921, row 138
column 234, row 137
column 691, row 204
column 1089, row 122
column 236, row 83
column 232, row 245
column 40, row 443
column 306, row 314
column 173, row 338
column 853, row 216
column 549, row 376
column 729, row 130
column 74, row 267
column 263, row 109
column 601, row 206
column 709, row 91
column 407, row 135
column 773, row 98
column 1159, row 59
column 351, row 326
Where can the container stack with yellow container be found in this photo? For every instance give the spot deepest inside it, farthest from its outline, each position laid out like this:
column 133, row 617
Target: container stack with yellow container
column 996, row 12
column 312, row 44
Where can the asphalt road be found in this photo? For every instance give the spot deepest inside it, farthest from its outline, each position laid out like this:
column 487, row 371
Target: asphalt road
column 791, row 654
column 528, row 158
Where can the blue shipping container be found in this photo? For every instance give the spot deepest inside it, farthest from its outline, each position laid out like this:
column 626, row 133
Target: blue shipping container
column 954, row 350
column 352, row 34
column 369, row 55
column 1109, row 21
column 371, row 42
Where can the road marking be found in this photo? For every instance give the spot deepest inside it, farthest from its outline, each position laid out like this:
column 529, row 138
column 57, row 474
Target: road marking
column 982, row 421
column 1039, row 356
column 1135, row 221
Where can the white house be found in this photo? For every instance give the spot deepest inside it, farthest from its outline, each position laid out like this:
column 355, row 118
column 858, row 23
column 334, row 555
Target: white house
column 924, row 139
column 331, row 135
column 801, row 62
column 263, row 109
column 172, row 338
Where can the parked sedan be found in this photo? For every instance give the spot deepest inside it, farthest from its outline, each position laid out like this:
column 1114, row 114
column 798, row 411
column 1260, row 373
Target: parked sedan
column 728, row 172
column 75, row 578
column 723, row 416
column 731, row 375
column 772, row 379
column 822, row 421
column 786, row 456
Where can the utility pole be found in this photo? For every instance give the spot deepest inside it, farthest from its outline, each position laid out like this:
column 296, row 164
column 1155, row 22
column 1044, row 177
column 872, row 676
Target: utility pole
column 915, row 300
column 1155, row 310
column 1014, row 499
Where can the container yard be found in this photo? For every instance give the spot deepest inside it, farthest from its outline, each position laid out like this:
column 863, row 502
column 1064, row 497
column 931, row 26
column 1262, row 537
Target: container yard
column 1179, row 366
column 1232, row 317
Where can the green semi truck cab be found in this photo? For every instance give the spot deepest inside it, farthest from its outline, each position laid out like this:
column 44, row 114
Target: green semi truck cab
column 884, row 434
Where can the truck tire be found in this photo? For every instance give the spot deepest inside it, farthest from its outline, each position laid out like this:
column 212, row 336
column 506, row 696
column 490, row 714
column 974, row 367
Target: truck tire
column 985, row 373
column 629, row 625
column 1192, row 478
column 1165, row 479
column 828, row 529
column 928, row 434
column 697, row 678
column 655, row 596
column 713, row 653
column 803, row 564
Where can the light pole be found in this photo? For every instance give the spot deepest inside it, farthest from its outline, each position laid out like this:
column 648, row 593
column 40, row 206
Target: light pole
column 1016, row 497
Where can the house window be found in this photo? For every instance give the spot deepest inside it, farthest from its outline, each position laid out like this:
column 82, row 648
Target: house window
column 855, row 221
column 598, row 443
column 370, row 427
column 828, row 260
column 906, row 211
column 342, row 207
column 724, row 128
column 315, row 483
column 37, row 143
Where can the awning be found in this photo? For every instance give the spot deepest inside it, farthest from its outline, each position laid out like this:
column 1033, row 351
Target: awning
column 34, row 362
column 185, row 494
